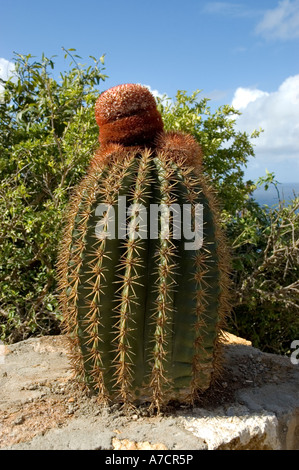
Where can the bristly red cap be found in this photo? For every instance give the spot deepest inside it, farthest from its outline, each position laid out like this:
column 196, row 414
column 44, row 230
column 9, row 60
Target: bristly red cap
column 180, row 146
column 127, row 114
column 123, row 100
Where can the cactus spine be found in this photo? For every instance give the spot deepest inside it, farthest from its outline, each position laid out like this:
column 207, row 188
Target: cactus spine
column 143, row 315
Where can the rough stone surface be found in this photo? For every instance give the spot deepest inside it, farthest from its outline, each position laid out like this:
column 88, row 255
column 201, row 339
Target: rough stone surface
column 255, row 406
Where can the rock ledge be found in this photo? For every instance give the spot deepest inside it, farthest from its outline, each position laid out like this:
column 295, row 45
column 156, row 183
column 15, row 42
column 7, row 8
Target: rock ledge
column 256, row 406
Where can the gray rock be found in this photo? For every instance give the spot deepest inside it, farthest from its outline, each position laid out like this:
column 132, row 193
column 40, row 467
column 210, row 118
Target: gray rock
column 255, row 406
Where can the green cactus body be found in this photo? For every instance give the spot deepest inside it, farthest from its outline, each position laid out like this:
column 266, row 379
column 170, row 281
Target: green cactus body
column 143, row 314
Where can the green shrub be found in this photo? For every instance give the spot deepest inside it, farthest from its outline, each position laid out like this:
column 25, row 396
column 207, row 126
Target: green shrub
column 48, row 134
column 265, row 244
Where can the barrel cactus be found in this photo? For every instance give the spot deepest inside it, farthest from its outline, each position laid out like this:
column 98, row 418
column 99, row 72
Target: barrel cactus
column 144, row 303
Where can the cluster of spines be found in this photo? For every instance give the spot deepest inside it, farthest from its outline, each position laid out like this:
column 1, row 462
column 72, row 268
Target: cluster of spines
column 191, row 194
column 164, row 288
column 69, row 264
column 71, row 259
column 94, row 290
column 131, row 278
column 223, row 257
column 214, row 254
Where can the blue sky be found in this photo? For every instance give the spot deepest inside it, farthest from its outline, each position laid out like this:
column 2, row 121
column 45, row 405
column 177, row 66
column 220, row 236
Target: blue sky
column 240, row 52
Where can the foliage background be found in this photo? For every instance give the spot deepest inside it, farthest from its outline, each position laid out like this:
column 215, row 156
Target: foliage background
column 47, row 136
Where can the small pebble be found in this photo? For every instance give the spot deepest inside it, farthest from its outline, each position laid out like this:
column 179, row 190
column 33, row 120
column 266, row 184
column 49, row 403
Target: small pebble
column 19, row 420
column 32, row 387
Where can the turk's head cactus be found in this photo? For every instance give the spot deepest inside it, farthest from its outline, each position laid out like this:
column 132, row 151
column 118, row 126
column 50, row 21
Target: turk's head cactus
column 143, row 266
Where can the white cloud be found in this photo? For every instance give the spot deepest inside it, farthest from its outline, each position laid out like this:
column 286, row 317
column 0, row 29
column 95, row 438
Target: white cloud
column 277, row 113
column 281, row 22
column 156, row 93
column 6, row 68
column 244, row 96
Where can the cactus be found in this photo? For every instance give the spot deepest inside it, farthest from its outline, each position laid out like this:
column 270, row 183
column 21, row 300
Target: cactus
column 143, row 314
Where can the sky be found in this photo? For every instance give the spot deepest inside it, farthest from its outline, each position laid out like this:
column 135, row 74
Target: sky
column 239, row 52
